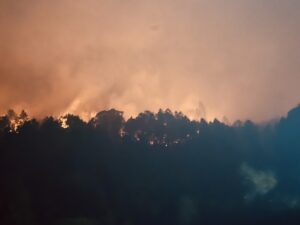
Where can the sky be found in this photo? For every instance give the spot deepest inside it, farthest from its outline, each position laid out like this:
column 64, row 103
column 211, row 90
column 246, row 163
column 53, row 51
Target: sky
column 238, row 59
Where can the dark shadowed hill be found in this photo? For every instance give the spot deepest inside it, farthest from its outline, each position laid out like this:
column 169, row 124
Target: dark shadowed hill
column 157, row 168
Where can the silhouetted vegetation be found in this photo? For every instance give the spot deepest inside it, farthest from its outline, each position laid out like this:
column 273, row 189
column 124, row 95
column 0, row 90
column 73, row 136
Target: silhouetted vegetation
column 157, row 168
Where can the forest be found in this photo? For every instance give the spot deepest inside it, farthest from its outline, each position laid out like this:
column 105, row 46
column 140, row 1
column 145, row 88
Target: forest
column 157, row 168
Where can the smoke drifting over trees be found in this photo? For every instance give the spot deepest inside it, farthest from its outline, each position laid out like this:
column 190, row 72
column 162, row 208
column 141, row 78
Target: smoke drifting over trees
column 84, row 56
column 157, row 168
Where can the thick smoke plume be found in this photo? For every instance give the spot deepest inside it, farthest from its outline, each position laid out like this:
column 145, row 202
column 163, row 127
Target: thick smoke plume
column 240, row 59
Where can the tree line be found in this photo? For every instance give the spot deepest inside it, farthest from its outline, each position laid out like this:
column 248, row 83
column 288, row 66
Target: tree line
column 157, row 168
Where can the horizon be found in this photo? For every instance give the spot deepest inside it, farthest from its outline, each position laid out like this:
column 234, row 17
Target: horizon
column 87, row 117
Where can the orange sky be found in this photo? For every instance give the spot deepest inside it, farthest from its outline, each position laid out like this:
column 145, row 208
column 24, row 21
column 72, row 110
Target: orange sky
column 234, row 58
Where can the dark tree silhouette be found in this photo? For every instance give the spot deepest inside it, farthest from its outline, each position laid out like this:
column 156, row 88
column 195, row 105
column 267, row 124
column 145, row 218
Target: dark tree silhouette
column 157, row 168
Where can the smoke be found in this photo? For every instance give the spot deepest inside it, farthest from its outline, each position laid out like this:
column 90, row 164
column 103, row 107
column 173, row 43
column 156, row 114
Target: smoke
column 239, row 58
column 261, row 182
column 188, row 210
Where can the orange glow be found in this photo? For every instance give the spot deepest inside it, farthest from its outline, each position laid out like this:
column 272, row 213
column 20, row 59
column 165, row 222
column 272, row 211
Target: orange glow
column 206, row 59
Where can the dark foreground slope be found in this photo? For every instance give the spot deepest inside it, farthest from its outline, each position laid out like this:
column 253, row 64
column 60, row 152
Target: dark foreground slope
column 154, row 169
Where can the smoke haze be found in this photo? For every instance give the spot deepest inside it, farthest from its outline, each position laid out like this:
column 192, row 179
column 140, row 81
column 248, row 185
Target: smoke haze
column 238, row 59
